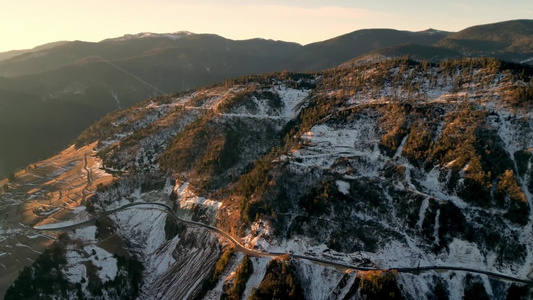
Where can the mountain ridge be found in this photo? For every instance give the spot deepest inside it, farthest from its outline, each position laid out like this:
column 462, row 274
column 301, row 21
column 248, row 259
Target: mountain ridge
column 73, row 72
column 13, row 53
column 509, row 39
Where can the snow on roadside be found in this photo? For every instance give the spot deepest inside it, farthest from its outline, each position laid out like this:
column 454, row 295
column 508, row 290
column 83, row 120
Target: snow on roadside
column 318, row 281
column 259, row 265
column 227, row 275
column 455, row 284
column 86, row 233
column 257, row 236
column 463, row 254
column 417, row 285
column 188, row 199
column 144, row 226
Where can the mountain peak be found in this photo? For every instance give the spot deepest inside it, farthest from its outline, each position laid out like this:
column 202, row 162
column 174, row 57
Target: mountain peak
column 432, row 31
column 173, row 36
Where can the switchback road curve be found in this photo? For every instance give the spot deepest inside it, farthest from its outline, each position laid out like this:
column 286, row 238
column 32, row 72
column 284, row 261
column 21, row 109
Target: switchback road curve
column 241, row 248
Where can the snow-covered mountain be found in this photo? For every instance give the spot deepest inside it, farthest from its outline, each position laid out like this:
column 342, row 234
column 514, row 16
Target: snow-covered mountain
column 381, row 165
column 173, row 36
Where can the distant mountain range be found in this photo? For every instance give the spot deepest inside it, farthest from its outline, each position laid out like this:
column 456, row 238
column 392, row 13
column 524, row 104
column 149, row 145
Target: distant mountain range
column 512, row 40
column 330, row 53
column 13, row 53
column 49, row 94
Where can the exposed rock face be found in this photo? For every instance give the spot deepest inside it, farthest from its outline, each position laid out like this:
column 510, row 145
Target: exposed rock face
column 389, row 164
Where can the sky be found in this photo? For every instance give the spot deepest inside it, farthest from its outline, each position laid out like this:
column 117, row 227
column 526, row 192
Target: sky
column 28, row 23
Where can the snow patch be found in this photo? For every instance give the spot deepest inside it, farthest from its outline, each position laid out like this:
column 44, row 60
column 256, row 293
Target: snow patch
column 76, row 273
column 259, row 265
column 104, row 262
column 422, row 213
column 87, row 233
column 188, row 199
column 464, row 254
column 318, row 281
column 145, row 226
column 343, row 186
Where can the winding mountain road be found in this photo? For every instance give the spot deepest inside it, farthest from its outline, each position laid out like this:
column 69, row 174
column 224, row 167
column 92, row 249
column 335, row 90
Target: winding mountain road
column 241, row 248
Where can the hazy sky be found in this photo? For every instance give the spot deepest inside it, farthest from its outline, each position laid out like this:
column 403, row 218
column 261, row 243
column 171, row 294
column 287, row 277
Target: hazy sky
column 27, row 23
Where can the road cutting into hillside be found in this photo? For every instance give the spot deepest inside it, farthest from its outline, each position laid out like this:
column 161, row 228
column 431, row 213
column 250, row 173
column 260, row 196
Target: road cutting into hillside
column 241, row 248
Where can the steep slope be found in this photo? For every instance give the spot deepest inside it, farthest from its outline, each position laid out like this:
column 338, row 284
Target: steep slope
column 417, row 172
column 164, row 117
column 510, row 40
column 382, row 165
column 96, row 78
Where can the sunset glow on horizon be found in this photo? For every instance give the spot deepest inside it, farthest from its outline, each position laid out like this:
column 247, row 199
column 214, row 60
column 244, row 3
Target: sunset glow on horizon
column 26, row 24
